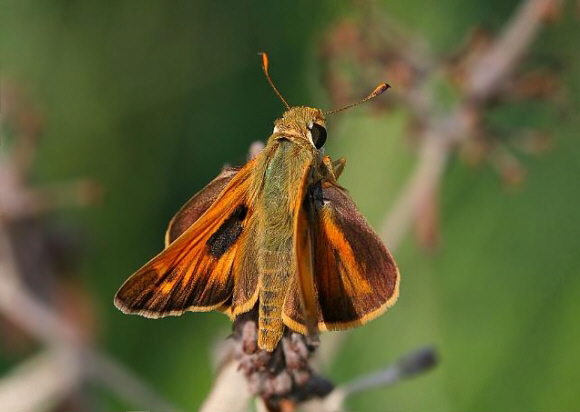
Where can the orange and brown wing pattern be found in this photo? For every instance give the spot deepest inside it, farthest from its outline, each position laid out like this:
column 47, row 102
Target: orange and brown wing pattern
column 195, row 271
column 355, row 276
column 198, row 204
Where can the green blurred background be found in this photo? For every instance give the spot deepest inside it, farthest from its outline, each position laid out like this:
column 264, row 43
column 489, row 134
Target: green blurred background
column 150, row 99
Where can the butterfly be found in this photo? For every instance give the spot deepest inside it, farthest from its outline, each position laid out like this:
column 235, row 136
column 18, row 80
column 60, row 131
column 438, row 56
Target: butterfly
column 278, row 233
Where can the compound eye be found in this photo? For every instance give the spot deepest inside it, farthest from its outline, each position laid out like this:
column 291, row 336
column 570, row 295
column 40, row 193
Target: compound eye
column 318, row 135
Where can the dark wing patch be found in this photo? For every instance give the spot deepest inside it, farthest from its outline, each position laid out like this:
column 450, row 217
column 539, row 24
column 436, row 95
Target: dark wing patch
column 226, row 235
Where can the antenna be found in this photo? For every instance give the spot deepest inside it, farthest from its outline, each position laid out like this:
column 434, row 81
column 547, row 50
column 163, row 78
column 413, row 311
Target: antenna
column 378, row 90
column 265, row 68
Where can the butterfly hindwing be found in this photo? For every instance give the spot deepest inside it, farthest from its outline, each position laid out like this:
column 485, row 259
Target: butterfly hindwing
column 246, row 290
column 195, row 271
column 304, row 255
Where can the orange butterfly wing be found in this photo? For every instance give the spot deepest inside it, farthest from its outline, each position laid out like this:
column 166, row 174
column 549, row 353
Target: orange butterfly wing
column 356, row 278
column 195, row 271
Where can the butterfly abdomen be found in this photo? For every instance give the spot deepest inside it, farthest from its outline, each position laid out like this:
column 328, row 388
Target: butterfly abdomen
column 274, row 275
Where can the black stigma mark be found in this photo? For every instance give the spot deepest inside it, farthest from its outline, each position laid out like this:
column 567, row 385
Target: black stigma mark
column 226, row 235
column 314, row 200
column 317, row 195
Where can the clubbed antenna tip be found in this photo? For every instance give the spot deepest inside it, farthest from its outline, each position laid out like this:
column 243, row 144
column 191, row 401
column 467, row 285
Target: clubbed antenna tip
column 265, row 68
column 378, row 90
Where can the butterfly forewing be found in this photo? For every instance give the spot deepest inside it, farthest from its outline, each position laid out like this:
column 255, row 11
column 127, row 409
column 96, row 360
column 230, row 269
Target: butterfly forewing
column 195, row 271
column 356, row 278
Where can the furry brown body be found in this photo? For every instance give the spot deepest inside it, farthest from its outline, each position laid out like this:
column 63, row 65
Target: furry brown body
column 284, row 164
column 279, row 232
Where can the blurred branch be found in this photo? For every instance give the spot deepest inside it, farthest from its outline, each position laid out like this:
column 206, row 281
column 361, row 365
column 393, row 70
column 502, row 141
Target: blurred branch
column 46, row 379
column 408, row 366
column 222, row 395
column 501, row 59
column 113, row 375
column 69, row 353
column 432, row 159
column 443, row 132
column 40, row 382
column 23, row 309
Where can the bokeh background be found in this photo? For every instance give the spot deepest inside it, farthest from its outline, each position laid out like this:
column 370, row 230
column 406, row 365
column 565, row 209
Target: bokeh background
column 148, row 100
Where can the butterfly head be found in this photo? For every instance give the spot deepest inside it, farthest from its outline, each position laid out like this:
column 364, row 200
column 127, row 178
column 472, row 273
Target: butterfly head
column 302, row 123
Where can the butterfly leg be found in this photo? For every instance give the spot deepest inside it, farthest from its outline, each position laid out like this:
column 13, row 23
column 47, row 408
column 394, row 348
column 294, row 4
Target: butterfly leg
column 338, row 166
column 330, row 170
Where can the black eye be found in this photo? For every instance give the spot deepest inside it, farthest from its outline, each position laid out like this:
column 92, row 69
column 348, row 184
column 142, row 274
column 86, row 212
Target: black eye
column 318, row 135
